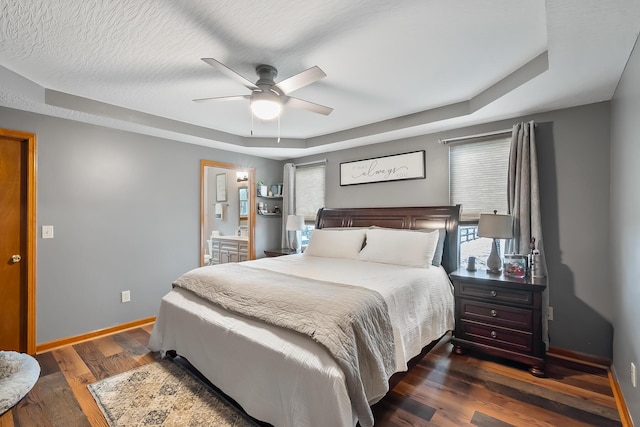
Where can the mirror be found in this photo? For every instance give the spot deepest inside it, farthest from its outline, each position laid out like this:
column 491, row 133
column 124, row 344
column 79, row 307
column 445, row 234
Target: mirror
column 227, row 212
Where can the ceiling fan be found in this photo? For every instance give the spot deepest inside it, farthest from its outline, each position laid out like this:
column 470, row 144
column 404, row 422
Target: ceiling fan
column 267, row 98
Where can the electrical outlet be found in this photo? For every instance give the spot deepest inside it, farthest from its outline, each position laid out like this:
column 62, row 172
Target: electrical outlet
column 126, row 296
column 550, row 313
column 633, row 374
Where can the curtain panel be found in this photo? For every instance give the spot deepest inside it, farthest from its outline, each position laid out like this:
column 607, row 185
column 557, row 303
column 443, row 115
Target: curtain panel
column 288, row 199
column 523, row 194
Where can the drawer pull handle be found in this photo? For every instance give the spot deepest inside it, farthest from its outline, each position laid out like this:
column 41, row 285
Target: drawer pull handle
column 494, row 313
column 494, row 293
column 493, row 334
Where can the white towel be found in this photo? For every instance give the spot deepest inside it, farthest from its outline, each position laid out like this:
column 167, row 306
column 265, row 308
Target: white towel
column 219, row 211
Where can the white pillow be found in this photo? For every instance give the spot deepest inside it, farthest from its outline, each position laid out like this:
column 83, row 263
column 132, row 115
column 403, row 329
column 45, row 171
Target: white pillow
column 400, row 247
column 335, row 243
column 442, row 235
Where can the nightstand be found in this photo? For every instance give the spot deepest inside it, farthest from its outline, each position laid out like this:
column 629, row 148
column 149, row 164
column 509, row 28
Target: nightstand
column 500, row 316
column 279, row 252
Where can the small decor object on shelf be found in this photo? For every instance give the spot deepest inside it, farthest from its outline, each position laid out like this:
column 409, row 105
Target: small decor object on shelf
column 516, row 265
column 537, row 268
column 262, row 189
column 471, row 263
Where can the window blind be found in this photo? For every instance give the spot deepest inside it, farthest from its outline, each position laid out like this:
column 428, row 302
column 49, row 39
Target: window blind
column 478, row 177
column 310, row 190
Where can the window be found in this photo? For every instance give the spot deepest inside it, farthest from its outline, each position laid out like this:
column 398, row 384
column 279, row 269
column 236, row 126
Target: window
column 478, row 181
column 310, row 194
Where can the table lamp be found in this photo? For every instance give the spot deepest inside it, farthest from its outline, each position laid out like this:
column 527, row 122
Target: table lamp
column 295, row 223
column 496, row 227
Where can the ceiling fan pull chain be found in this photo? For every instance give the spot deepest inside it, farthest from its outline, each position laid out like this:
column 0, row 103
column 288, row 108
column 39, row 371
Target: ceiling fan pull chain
column 278, row 129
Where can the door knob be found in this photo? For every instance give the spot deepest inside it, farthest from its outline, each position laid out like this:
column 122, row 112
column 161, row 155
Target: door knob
column 15, row 258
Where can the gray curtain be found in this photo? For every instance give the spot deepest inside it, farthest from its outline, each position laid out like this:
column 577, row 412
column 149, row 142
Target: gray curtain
column 288, row 199
column 523, row 196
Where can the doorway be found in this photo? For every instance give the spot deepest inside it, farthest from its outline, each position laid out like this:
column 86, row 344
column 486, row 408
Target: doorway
column 227, row 208
column 17, row 246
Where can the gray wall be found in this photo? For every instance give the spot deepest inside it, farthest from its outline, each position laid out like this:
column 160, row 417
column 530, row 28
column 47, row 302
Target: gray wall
column 573, row 154
column 126, row 212
column 625, row 229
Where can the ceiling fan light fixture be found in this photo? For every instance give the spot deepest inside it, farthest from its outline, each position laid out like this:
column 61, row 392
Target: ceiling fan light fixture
column 265, row 106
column 268, row 98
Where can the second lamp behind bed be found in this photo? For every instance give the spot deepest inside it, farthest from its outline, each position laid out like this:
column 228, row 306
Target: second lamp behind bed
column 294, row 226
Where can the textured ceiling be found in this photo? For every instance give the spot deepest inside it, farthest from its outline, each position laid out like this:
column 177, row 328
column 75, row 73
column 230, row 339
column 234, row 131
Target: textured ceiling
column 394, row 68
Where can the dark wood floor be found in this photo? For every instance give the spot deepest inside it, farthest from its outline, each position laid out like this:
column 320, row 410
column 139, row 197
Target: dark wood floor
column 442, row 389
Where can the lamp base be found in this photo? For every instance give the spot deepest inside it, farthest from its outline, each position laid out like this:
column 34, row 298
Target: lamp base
column 295, row 241
column 494, row 263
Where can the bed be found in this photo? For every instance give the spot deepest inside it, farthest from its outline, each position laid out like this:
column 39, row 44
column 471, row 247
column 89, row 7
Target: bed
column 286, row 370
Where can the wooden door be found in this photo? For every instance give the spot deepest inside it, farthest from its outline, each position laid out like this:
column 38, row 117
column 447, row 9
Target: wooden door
column 17, row 241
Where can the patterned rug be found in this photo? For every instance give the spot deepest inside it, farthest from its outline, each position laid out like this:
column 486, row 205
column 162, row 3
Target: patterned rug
column 163, row 394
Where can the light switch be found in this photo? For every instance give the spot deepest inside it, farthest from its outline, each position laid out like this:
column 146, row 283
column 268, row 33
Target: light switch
column 47, row 231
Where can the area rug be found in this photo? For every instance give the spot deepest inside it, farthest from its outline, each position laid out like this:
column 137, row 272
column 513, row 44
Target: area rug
column 164, row 394
column 18, row 374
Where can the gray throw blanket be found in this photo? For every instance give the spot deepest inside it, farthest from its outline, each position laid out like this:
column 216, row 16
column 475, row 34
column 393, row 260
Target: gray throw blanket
column 351, row 322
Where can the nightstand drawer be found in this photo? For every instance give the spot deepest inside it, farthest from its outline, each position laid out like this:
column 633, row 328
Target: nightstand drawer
column 496, row 336
column 496, row 314
column 495, row 293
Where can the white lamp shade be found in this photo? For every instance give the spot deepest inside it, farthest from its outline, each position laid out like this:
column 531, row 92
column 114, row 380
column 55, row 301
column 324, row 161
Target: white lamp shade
column 495, row 226
column 295, row 222
column 265, row 105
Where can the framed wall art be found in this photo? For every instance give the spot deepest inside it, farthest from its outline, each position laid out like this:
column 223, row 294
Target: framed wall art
column 221, row 187
column 396, row 167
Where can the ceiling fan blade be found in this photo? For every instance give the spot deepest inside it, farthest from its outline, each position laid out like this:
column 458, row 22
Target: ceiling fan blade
column 301, row 79
column 230, row 73
column 224, row 98
column 306, row 105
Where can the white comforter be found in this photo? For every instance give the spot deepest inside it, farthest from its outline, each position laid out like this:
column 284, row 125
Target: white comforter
column 285, row 378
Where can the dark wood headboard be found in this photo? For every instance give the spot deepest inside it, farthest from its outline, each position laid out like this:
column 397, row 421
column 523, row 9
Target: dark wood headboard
column 410, row 218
